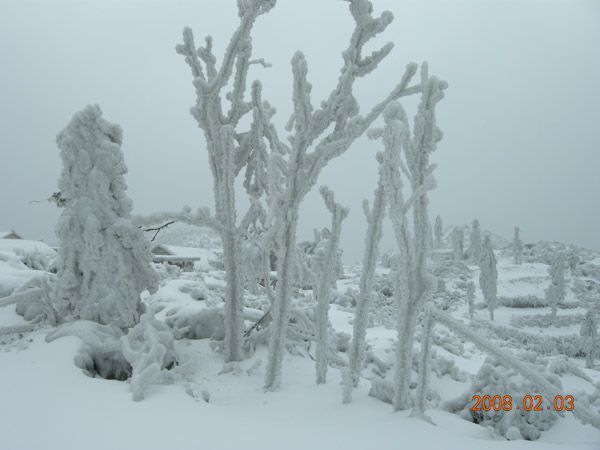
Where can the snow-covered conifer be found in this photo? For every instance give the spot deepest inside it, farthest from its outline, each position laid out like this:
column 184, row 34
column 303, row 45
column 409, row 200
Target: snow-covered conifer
column 471, row 298
column 555, row 293
column 589, row 335
column 475, row 247
column 104, row 262
column 517, row 246
column 438, row 228
column 458, row 240
column 488, row 277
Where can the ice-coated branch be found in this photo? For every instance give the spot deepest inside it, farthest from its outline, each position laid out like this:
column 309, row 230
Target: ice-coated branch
column 254, row 212
column 375, row 218
column 424, row 367
column 327, row 276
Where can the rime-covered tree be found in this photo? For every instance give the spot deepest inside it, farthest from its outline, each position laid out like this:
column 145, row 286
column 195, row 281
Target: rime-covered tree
column 328, row 131
column 573, row 262
column 322, row 287
column 104, row 262
column 458, row 243
column 230, row 150
column 374, row 216
column 475, row 246
column 407, row 152
column 488, row 277
column 471, row 298
column 589, row 335
column 438, row 229
column 517, row 246
column 555, row 293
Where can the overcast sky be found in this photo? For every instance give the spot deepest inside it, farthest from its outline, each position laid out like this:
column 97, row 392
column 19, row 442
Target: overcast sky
column 520, row 119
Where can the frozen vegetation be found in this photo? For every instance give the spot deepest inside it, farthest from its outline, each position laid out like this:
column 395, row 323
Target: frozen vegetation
column 449, row 316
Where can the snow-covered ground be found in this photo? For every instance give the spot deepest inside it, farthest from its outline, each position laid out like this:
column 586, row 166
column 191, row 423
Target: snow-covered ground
column 48, row 403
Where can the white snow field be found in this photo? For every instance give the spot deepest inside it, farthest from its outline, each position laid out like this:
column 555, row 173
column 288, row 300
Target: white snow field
column 47, row 402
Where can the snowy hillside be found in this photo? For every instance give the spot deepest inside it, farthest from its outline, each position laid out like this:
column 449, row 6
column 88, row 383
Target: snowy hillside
column 191, row 403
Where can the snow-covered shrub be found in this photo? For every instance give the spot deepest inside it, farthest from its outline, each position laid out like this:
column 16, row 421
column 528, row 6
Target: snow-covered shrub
column 149, row 349
column 347, row 299
column 448, row 341
column 526, row 301
column 104, row 261
column 569, row 345
column 35, row 259
column 543, row 320
column 101, row 351
column 562, row 365
column 166, row 271
column 442, row 366
column 205, row 323
column 493, row 379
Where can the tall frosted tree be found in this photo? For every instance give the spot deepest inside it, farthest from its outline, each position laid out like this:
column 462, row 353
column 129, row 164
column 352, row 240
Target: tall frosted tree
column 438, row 230
column 374, row 216
column 556, row 291
column 104, row 262
column 408, row 152
column 475, row 246
column 488, row 277
column 458, row 244
column 230, row 150
column 328, row 131
column 589, row 335
column 517, row 246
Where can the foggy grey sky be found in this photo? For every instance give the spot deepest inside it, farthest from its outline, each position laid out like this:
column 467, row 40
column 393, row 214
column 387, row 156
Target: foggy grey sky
column 520, row 118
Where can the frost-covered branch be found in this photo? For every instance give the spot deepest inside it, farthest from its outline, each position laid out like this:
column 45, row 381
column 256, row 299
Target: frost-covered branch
column 327, row 276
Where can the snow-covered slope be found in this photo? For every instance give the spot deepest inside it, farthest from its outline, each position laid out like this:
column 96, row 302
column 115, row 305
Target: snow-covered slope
column 48, row 403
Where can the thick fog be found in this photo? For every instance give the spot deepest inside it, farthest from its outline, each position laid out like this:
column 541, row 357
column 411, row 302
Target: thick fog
column 519, row 119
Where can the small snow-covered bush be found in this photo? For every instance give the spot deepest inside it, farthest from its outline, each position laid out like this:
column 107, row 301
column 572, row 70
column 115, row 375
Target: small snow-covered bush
column 543, row 320
column 493, row 379
column 35, row 259
column 527, row 301
column 205, row 323
column 101, row 351
column 562, row 365
column 149, row 349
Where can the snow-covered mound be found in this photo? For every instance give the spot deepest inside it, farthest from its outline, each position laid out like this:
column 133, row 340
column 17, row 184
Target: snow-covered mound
column 184, row 235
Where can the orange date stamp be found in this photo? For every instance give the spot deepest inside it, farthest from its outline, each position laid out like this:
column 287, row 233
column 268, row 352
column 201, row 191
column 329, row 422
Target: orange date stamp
column 530, row 403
